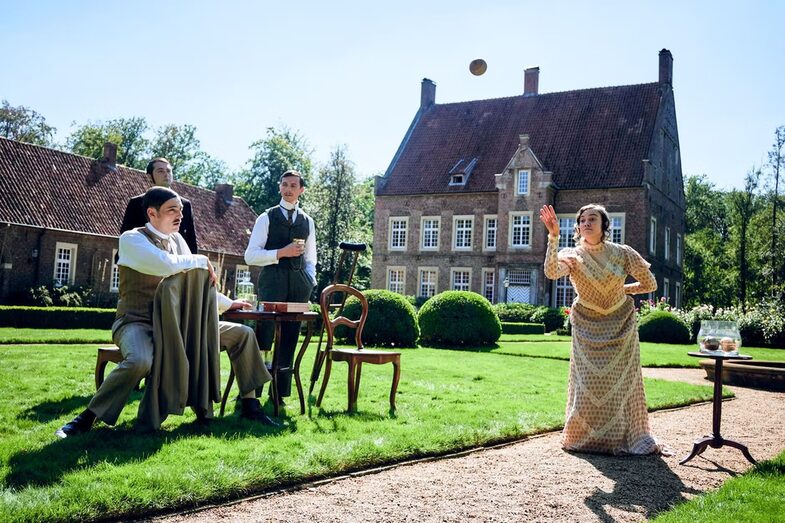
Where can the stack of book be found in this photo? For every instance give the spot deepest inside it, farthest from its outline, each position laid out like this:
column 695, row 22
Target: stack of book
column 285, row 306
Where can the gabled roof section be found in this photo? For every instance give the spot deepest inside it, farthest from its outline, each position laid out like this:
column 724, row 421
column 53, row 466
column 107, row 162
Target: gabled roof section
column 42, row 187
column 588, row 138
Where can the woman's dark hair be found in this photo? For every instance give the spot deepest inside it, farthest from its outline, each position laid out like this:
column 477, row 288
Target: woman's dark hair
column 606, row 221
column 157, row 196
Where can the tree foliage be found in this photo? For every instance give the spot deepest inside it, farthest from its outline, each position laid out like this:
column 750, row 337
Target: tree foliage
column 133, row 148
column 25, row 125
column 282, row 149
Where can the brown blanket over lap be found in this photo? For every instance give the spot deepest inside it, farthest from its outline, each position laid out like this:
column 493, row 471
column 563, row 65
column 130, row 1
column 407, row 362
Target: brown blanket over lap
column 186, row 361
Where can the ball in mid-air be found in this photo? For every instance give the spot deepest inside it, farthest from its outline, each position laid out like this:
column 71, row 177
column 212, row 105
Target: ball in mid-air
column 478, row 67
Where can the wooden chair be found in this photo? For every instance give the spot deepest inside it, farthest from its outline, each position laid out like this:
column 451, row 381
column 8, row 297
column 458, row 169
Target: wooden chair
column 105, row 355
column 354, row 357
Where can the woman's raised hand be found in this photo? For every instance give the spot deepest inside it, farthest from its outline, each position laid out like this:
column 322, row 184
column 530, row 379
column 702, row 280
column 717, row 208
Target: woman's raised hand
column 548, row 217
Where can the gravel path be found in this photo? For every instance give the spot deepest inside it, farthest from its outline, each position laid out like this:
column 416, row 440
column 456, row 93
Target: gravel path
column 534, row 480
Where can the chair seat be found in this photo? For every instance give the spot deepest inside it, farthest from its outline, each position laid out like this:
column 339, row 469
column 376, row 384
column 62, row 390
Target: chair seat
column 365, row 356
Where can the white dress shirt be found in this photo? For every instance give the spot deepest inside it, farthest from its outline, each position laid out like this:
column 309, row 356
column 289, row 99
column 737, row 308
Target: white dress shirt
column 256, row 254
column 137, row 253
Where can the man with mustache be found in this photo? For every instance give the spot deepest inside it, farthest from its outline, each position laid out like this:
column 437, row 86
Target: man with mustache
column 147, row 255
column 283, row 243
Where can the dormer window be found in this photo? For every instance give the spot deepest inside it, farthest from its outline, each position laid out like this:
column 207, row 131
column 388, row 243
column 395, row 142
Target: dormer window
column 460, row 172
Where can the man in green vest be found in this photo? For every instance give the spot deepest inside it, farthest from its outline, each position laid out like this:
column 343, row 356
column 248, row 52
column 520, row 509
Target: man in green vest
column 283, row 243
column 146, row 256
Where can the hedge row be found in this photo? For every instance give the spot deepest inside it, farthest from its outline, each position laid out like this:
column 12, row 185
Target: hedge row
column 56, row 317
column 509, row 327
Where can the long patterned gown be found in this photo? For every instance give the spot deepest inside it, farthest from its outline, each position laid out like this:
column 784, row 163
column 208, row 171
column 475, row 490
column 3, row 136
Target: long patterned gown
column 606, row 404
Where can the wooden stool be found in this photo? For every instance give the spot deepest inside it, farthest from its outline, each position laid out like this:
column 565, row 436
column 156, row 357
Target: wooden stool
column 105, row 355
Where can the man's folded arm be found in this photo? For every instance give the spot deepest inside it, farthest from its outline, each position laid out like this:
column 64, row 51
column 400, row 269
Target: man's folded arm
column 136, row 252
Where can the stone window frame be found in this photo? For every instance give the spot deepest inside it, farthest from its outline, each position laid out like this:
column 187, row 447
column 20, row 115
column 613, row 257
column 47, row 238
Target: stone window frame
column 466, row 270
column 566, row 240
column 679, row 253
column 564, row 284
column 511, row 236
column 486, row 218
column 518, row 191
column 392, row 219
column 653, row 235
column 438, row 220
column 623, row 217
column 470, row 219
column 667, row 244
column 420, row 271
column 666, row 291
column 240, row 270
column 402, row 282
column 486, row 286
column 73, row 248
column 677, row 294
column 114, row 273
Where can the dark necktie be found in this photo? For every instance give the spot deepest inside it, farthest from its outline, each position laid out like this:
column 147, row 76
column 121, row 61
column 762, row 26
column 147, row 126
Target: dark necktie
column 290, row 214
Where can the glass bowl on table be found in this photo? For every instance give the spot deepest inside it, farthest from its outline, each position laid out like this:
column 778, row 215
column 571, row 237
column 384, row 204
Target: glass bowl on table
column 719, row 337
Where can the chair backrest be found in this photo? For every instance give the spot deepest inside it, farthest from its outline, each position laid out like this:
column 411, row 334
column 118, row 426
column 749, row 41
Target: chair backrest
column 330, row 324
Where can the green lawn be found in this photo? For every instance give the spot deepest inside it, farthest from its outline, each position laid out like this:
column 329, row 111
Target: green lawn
column 13, row 335
column 755, row 497
column 447, row 400
column 652, row 354
column 532, row 337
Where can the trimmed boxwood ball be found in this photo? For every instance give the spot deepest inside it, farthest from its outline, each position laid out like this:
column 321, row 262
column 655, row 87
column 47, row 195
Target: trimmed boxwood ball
column 458, row 319
column 663, row 327
column 551, row 317
column 392, row 320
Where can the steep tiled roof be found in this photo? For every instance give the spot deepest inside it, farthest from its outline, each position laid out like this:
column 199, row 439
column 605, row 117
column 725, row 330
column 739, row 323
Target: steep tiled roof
column 587, row 138
column 42, row 187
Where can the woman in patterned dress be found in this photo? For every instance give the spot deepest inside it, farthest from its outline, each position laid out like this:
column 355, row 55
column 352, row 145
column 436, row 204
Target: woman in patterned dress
column 606, row 405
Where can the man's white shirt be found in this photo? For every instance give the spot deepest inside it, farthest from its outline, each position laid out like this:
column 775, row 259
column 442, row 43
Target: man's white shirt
column 256, row 254
column 137, row 253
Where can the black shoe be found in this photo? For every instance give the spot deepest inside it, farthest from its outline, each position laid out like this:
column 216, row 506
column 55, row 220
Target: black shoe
column 79, row 425
column 201, row 419
column 252, row 410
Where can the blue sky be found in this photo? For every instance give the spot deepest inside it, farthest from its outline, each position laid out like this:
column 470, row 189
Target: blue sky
column 349, row 72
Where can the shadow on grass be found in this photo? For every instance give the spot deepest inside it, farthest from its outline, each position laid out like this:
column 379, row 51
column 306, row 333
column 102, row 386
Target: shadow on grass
column 641, row 484
column 119, row 445
column 51, row 410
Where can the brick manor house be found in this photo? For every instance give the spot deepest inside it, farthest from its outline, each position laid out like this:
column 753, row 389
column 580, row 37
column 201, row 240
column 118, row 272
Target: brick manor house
column 458, row 207
column 60, row 217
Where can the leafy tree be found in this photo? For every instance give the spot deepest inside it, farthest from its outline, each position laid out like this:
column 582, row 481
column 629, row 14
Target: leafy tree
column 361, row 230
column 333, row 205
column 178, row 144
column 743, row 205
column 203, row 170
column 24, row 124
column 777, row 164
column 133, row 148
column 282, row 149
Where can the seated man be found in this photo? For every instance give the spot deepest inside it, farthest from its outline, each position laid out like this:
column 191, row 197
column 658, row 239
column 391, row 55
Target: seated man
column 146, row 256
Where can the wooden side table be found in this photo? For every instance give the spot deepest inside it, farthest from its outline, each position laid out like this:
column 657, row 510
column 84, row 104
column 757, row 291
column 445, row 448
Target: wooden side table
column 716, row 441
column 308, row 317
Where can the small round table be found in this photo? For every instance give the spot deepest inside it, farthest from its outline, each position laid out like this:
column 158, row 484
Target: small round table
column 716, row 441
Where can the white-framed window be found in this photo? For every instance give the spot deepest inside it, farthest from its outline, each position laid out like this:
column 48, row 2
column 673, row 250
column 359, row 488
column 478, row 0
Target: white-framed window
column 520, row 229
column 462, row 229
column 490, row 228
column 461, row 278
column 566, row 231
column 666, row 285
column 678, row 250
column 114, row 276
column 65, row 263
column 489, row 283
column 396, row 279
column 653, row 235
column 429, row 280
column 667, row 243
column 564, row 293
column 429, row 233
column 399, row 225
column 241, row 273
column 522, row 182
column 617, row 226
column 677, row 295
column 458, row 179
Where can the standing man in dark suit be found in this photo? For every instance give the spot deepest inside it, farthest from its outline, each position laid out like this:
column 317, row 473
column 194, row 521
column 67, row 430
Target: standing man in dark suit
column 160, row 170
column 283, row 243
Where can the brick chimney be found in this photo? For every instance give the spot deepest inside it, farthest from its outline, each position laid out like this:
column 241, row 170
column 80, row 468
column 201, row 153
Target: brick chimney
column 224, row 192
column 666, row 67
column 427, row 93
column 531, row 81
column 110, row 154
